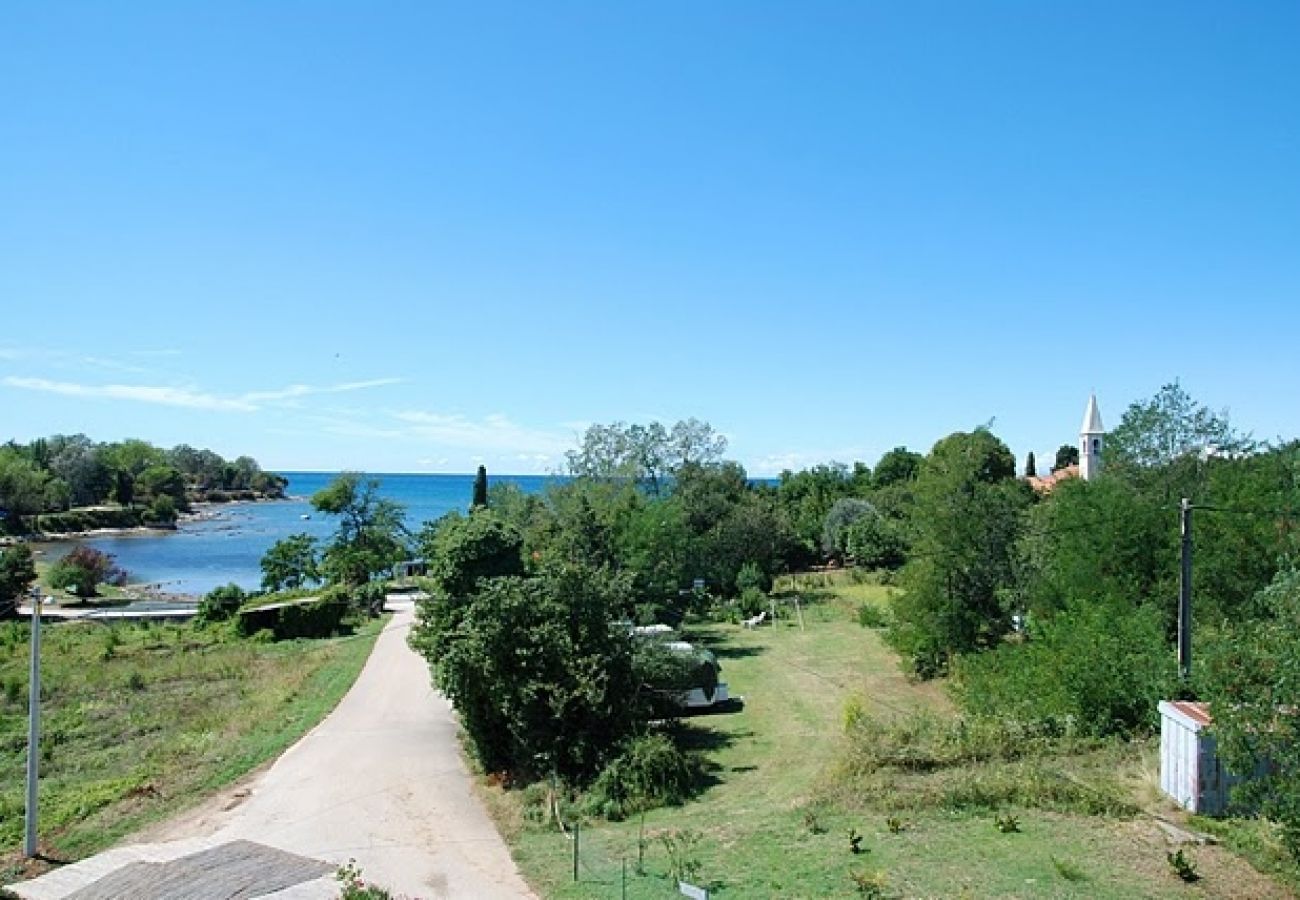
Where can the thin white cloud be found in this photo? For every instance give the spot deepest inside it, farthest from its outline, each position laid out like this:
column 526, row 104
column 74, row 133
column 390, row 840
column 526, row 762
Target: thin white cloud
column 163, row 396
column 295, row 391
column 188, row 398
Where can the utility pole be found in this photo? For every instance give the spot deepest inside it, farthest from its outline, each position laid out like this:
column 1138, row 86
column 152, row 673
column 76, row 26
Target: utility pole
column 33, row 729
column 1185, row 594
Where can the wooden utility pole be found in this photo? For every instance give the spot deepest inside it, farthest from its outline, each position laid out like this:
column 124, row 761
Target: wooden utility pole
column 1185, row 594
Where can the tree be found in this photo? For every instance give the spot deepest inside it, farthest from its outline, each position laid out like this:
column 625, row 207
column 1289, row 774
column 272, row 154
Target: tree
column 542, row 679
column 897, row 466
column 480, row 488
column 291, row 563
column 79, row 462
column 17, row 572
column 460, row 550
column 807, row 497
column 645, row 454
column 1066, row 455
column 969, row 511
column 1031, row 465
column 876, row 542
column 219, row 604
column 22, row 488
column 845, row 512
column 161, row 481
column 1252, row 676
column 83, row 569
column 370, row 535
column 1168, row 427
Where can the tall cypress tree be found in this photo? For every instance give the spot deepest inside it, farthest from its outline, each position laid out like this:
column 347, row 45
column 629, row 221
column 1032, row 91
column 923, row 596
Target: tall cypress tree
column 1031, row 465
column 480, row 489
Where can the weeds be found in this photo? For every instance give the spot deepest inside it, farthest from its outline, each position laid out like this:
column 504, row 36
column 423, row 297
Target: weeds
column 1183, row 865
column 353, row 887
column 682, row 847
column 1069, row 871
column 870, row 884
column 895, row 825
column 1007, row 824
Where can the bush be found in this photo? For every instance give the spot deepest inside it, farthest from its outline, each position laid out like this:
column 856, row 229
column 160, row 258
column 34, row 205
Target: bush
column 319, row 618
column 219, row 604
column 752, row 602
column 872, row 616
column 1102, row 666
column 650, row 771
column 751, row 577
column 83, row 570
column 162, row 511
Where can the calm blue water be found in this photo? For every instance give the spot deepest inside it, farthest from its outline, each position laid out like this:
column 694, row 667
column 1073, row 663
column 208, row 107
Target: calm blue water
column 206, row 554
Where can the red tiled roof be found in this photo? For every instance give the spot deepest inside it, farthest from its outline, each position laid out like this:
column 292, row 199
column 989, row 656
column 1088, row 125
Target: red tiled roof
column 1046, row 483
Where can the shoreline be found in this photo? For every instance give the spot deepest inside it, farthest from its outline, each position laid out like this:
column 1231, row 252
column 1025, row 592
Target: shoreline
column 203, row 511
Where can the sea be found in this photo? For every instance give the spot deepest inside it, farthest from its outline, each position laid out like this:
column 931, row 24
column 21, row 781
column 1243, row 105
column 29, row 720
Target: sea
column 226, row 545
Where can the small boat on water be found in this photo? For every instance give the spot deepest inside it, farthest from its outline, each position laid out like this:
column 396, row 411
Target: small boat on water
column 305, row 516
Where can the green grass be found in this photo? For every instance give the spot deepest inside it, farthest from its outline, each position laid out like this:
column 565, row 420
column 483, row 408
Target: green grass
column 140, row 721
column 775, row 820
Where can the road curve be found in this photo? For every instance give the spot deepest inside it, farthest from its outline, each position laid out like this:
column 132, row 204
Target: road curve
column 380, row 780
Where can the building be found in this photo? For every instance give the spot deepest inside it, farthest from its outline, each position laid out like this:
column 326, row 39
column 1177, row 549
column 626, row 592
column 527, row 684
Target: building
column 1092, row 436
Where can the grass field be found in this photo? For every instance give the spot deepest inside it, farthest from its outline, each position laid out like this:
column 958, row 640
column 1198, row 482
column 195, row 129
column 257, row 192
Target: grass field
column 775, row 821
column 140, row 721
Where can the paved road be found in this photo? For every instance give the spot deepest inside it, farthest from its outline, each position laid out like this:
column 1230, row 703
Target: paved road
column 380, row 780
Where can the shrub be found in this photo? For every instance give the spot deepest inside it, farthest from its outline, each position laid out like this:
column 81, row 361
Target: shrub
column 752, row 602
column 219, row 604
column 650, row 771
column 1101, row 666
column 162, row 511
column 319, row 618
column 751, row 577
column 872, row 616
column 83, row 570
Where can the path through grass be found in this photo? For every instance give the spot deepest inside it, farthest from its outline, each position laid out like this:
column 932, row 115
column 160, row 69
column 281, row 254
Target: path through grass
column 140, row 721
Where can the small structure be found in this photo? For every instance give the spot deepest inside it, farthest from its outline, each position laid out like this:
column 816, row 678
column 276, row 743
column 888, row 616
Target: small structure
column 410, row 568
column 1190, row 770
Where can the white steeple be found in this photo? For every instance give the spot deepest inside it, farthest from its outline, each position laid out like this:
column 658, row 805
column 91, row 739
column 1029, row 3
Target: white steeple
column 1090, row 440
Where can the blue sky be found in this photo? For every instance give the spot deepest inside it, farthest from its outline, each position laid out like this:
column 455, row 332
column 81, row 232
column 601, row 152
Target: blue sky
column 417, row 236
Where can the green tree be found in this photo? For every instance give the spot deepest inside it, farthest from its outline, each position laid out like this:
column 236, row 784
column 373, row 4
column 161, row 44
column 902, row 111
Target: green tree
column 897, row 466
column 480, row 488
column 969, row 512
column 542, row 680
column 370, row 538
column 1252, row 677
column 1102, row 666
column 459, row 550
column 17, row 572
column 220, row 604
column 1031, row 465
column 291, row 563
column 83, row 570
column 161, row 481
column 1066, row 455
column 79, row 462
column 1171, row 426
column 806, row 497
column 842, row 515
column 22, row 488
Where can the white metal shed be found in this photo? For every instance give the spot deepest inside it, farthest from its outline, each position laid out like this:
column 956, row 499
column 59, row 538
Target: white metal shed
column 1190, row 770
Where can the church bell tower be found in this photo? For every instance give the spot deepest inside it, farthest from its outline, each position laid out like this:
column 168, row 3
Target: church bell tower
column 1090, row 440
